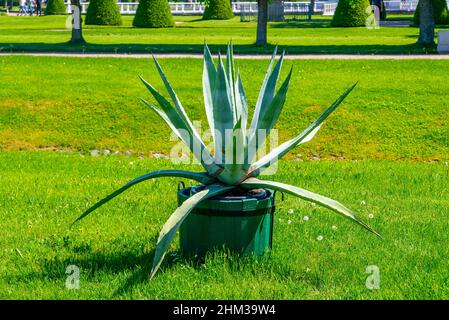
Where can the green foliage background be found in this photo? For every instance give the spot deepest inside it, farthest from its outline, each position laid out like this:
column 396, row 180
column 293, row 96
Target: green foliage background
column 153, row 14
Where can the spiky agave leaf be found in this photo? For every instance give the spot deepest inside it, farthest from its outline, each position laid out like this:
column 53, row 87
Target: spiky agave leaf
column 176, row 102
column 209, row 77
column 335, row 206
column 305, row 136
column 227, row 109
column 262, row 110
column 223, row 110
column 203, row 178
column 174, row 222
column 267, row 91
column 234, row 165
column 184, row 130
column 241, row 102
column 230, row 75
column 269, row 118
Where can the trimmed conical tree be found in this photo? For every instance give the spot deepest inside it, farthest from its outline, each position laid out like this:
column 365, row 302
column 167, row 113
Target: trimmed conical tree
column 218, row 10
column 55, row 7
column 350, row 13
column 103, row 13
column 440, row 13
column 153, row 14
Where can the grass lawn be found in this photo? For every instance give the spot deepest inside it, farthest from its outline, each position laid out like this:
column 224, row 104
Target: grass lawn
column 384, row 153
column 398, row 111
column 50, row 34
column 42, row 193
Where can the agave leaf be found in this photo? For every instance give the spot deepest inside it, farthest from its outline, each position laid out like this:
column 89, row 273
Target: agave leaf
column 189, row 139
column 209, row 77
column 267, row 91
column 306, row 135
column 234, row 165
column 168, row 109
column 269, row 118
column 333, row 205
column 230, row 75
column 183, row 137
column 174, row 222
column 177, row 103
column 179, row 108
column 223, row 110
column 240, row 101
column 203, row 178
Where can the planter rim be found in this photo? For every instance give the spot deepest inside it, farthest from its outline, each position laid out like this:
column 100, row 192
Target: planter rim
column 249, row 205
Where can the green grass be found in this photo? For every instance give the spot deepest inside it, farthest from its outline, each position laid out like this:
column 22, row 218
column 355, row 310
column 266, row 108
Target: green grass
column 398, row 111
column 49, row 34
column 377, row 154
column 42, row 193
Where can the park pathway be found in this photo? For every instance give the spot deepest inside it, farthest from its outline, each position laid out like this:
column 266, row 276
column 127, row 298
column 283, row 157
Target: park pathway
column 237, row 56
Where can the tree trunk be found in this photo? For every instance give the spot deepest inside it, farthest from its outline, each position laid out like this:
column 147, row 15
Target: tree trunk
column 426, row 23
column 381, row 6
column 262, row 16
column 77, row 31
column 311, row 9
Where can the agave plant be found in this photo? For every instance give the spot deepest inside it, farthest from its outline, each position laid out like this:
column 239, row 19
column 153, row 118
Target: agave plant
column 227, row 112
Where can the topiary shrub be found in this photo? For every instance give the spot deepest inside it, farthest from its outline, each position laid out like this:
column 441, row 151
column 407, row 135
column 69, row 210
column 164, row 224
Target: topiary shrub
column 103, row 13
column 55, row 7
column 153, row 14
column 350, row 13
column 218, row 10
column 440, row 12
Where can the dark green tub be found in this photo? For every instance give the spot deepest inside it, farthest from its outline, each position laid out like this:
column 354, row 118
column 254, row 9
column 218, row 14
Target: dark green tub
column 242, row 224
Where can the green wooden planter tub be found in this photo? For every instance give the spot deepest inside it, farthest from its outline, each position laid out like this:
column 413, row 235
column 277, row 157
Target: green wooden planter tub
column 242, row 224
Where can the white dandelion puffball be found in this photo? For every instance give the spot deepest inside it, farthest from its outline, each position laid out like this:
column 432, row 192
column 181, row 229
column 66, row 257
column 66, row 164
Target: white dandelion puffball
column 319, row 238
column 289, row 221
column 306, row 218
column 334, row 227
column 290, row 211
column 371, row 216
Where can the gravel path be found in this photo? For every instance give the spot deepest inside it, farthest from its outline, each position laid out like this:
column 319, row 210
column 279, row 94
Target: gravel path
column 237, row 56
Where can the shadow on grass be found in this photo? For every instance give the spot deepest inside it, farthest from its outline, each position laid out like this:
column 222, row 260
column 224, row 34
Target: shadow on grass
column 138, row 264
column 129, row 48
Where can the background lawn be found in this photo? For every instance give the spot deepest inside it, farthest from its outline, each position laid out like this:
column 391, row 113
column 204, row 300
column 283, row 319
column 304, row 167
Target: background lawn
column 50, row 34
column 42, row 193
column 384, row 152
column 398, row 111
